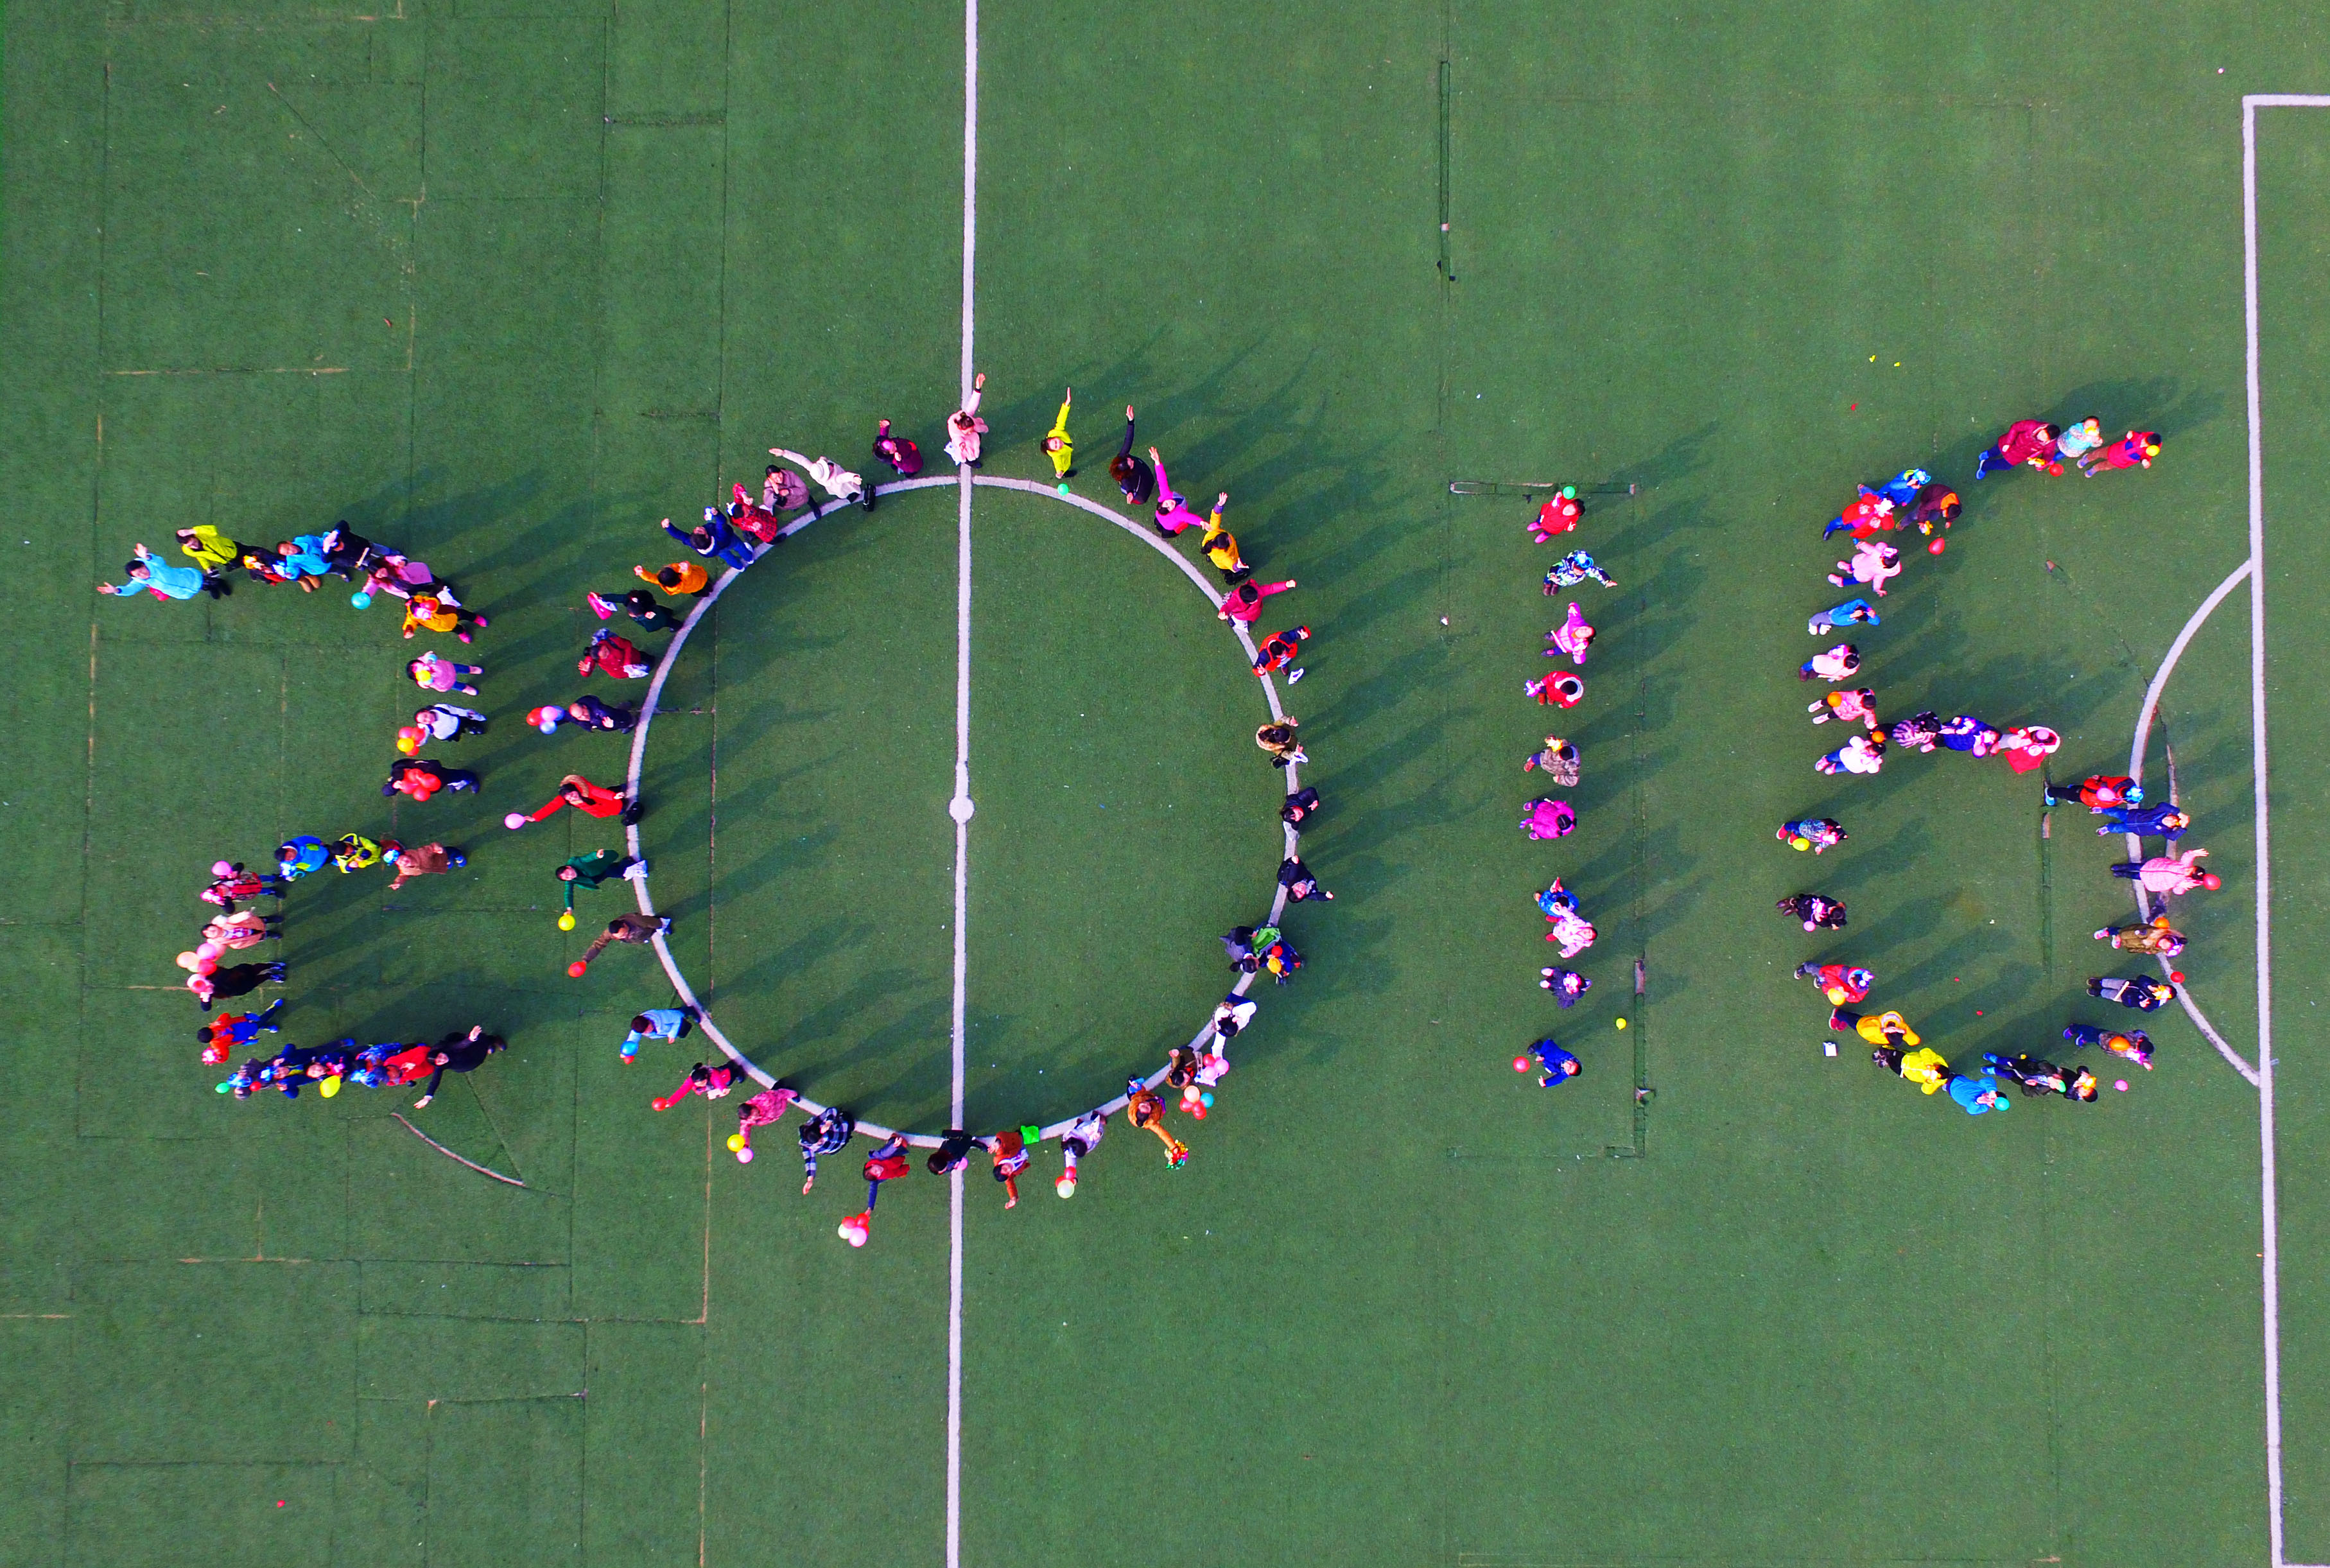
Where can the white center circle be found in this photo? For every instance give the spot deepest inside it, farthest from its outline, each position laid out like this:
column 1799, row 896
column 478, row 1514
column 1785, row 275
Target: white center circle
column 961, row 806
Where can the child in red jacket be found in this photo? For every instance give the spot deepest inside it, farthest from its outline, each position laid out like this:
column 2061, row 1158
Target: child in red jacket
column 590, row 799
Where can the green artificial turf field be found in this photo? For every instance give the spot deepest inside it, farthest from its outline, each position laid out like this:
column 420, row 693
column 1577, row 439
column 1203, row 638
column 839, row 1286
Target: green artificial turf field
column 504, row 281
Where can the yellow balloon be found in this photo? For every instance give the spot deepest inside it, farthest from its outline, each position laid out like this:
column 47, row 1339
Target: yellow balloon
column 566, row 920
column 735, row 1142
column 1622, row 1023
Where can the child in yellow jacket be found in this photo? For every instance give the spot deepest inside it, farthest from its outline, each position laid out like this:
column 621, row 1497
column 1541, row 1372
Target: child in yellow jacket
column 1057, row 444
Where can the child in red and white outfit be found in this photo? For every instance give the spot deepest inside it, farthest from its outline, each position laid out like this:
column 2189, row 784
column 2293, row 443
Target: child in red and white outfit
column 1011, row 1154
column 1557, row 516
column 1083, row 1137
column 1558, row 689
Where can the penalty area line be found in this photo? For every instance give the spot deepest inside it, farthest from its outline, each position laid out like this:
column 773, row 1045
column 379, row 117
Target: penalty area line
column 2269, row 1269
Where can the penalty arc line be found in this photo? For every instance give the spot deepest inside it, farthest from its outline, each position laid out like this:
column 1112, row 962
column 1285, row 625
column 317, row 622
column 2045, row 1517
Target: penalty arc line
column 2136, row 772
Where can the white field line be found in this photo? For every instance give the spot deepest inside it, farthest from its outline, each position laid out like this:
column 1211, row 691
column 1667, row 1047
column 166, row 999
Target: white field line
column 2135, row 771
column 2270, row 1269
column 960, row 807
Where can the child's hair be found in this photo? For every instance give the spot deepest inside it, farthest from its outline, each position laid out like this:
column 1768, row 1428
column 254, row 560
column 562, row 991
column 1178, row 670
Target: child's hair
column 668, row 576
column 1887, row 1056
column 642, row 1023
column 2050, row 432
column 1851, row 660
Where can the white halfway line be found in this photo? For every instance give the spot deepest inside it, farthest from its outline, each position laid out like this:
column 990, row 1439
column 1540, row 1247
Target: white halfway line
column 2272, row 1269
column 960, row 807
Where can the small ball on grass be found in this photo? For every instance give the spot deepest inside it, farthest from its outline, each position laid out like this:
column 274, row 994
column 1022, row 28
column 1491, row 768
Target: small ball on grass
column 1621, row 1023
column 2120, row 1084
column 1521, row 1064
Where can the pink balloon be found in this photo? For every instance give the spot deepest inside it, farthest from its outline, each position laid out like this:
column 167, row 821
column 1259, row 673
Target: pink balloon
column 209, row 950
